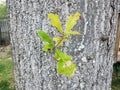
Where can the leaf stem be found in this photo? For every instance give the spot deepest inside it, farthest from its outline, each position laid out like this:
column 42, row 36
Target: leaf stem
column 62, row 38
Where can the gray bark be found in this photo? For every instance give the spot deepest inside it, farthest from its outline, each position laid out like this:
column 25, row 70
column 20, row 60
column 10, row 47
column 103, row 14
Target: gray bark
column 92, row 51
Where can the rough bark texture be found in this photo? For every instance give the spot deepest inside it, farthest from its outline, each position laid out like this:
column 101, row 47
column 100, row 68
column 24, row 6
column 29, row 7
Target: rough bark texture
column 118, row 9
column 92, row 51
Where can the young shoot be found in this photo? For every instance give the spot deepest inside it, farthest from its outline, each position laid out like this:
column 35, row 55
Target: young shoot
column 65, row 65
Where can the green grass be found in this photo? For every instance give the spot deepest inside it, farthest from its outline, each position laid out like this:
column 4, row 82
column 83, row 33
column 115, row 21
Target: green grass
column 116, row 84
column 6, row 72
column 116, row 77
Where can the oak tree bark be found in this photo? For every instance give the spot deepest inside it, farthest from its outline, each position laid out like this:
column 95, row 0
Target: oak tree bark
column 92, row 51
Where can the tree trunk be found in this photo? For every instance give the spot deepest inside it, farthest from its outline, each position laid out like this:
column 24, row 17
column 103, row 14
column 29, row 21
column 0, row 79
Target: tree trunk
column 92, row 51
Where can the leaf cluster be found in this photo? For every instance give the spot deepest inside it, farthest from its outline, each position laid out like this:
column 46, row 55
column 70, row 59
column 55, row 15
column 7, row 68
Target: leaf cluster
column 65, row 65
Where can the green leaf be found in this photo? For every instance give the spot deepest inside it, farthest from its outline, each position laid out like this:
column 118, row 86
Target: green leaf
column 67, row 68
column 56, row 39
column 44, row 36
column 72, row 21
column 73, row 32
column 47, row 47
column 59, row 55
column 55, row 21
